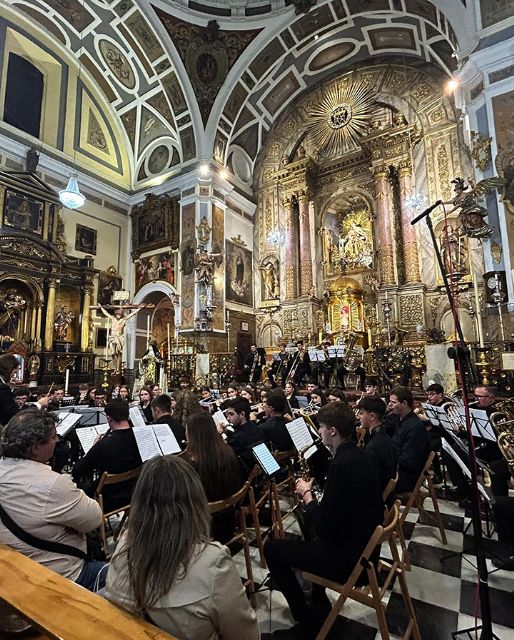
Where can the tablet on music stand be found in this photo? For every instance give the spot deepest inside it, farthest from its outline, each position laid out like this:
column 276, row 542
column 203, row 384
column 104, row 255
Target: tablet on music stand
column 265, row 459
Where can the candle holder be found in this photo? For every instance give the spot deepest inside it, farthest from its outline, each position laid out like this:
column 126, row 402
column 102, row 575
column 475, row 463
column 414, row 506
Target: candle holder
column 498, row 297
column 483, row 365
column 387, row 311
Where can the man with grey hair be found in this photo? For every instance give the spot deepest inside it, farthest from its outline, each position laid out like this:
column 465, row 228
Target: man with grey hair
column 40, row 509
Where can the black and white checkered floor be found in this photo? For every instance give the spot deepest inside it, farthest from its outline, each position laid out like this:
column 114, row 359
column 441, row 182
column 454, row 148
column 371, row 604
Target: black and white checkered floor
column 443, row 589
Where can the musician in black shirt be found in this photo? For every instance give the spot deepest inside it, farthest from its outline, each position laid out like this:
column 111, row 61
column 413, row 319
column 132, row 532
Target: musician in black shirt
column 343, row 522
column 246, row 433
column 274, row 428
column 115, row 452
column 379, row 447
column 279, row 367
column 161, row 413
column 253, row 363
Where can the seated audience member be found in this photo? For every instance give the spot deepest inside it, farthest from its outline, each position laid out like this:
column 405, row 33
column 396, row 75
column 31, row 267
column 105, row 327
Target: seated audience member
column 245, row 434
column 410, row 439
column 187, row 586
column 274, row 428
column 379, row 447
column 145, row 399
column 161, row 412
column 43, row 503
column 115, row 452
column 343, row 522
column 21, row 396
column 8, row 405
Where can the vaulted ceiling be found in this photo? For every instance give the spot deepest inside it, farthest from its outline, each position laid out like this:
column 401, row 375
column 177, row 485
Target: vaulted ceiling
column 186, row 80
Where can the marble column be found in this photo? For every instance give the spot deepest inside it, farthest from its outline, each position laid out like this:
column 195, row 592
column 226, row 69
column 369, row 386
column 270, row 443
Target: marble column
column 50, row 313
column 291, row 250
column 385, row 225
column 86, row 313
column 305, row 245
column 410, row 245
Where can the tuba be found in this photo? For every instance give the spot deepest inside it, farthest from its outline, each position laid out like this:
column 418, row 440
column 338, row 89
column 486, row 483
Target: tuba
column 503, row 423
column 351, row 355
column 454, row 417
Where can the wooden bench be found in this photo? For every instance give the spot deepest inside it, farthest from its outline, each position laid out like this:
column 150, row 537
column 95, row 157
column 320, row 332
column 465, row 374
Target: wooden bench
column 61, row 609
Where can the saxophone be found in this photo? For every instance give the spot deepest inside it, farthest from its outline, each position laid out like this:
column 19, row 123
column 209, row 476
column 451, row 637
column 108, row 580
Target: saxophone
column 503, row 424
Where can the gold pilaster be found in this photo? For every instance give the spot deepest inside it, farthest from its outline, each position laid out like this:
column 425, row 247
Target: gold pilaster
column 50, row 313
column 86, row 313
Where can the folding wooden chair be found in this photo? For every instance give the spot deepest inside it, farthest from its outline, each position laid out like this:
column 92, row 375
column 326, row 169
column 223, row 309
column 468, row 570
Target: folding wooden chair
column 372, row 595
column 417, row 497
column 390, row 487
column 240, row 532
column 108, row 480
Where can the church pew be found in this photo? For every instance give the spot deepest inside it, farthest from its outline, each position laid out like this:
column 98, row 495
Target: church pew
column 61, row 609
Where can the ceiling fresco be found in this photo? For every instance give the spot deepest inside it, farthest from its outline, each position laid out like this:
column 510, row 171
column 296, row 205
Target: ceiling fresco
column 191, row 79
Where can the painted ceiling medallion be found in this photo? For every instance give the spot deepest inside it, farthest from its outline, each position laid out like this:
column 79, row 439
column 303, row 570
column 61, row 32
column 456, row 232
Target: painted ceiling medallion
column 342, row 116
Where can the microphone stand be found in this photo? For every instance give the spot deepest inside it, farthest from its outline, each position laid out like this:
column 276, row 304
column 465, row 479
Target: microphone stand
column 461, row 354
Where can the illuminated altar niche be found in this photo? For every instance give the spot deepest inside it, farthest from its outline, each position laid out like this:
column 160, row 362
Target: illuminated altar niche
column 345, row 306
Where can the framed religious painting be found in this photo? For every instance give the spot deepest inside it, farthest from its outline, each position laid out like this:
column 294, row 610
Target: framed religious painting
column 157, row 267
column 22, row 212
column 238, row 273
column 108, row 282
column 155, row 224
column 85, row 239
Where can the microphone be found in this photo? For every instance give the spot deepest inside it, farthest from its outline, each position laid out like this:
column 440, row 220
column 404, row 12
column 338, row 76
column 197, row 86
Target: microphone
column 426, row 212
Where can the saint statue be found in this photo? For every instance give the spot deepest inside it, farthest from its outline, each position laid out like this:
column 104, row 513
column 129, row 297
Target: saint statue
column 62, row 321
column 453, row 251
column 270, row 281
column 472, row 214
column 204, row 265
column 116, row 331
column 10, row 307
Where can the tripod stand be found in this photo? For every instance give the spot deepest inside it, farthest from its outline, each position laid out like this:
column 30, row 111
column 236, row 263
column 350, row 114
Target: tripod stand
column 461, row 354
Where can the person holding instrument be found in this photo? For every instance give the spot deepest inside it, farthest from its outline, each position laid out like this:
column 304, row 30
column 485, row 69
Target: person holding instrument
column 253, row 363
column 343, row 522
column 301, row 366
column 280, row 367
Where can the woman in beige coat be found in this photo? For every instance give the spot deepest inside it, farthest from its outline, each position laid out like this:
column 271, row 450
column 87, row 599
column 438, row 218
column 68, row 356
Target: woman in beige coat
column 165, row 566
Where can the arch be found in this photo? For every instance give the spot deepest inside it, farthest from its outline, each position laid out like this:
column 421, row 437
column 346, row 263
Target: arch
column 273, row 328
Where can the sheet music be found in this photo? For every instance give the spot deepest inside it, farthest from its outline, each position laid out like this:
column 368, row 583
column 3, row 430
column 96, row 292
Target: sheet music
column 265, row 458
column 87, row 437
column 301, row 436
column 136, row 417
column 166, row 438
column 480, row 419
column 428, row 410
column 219, row 418
column 316, row 355
column 303, row 402
column 147, row 442
column 66, row 423
column 464, row 468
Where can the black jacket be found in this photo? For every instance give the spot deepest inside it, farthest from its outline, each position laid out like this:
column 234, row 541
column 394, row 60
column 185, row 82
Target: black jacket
column 382, row 455
column 275, row 431
column 412, row 443
column 352, row 504
column 116, row 452
column 8, row 407
column 178, row 430
column 242, row 439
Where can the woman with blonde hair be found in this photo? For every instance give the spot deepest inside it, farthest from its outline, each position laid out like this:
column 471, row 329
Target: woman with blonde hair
column 165, row 567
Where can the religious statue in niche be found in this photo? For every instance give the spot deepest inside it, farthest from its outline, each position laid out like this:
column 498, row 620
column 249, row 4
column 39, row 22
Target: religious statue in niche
column 187, row 257
column 269, row 279
column 453, row 251
column 62, row 322
column 347, row 239
column 472, row 214
column 11, row 305
column 204, row 231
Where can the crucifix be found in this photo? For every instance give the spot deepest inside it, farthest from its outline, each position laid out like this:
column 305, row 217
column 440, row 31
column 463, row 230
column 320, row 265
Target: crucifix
column 117, row 317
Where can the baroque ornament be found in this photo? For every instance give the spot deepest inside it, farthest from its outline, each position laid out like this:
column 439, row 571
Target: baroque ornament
column 342, row 116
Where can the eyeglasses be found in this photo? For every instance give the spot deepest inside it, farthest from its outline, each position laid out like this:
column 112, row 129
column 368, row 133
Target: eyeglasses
column 477, row 396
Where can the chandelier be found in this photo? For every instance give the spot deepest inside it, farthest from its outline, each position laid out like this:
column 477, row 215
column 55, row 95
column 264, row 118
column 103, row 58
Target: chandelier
column 71, row 196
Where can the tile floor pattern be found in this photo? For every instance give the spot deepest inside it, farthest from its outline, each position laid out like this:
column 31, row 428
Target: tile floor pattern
column 442, row 585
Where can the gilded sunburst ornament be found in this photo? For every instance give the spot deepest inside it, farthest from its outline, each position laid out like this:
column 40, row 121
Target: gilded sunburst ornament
column 342, row 116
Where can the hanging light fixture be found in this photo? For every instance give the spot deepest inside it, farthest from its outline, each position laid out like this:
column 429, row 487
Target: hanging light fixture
column 71, row 197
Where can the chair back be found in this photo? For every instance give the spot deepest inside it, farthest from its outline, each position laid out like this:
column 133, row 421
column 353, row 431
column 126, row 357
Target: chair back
column 390, row 487
column 108, row 479
column 232, row 501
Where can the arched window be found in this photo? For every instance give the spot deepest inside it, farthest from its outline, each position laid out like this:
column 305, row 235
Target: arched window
column 23, row 95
